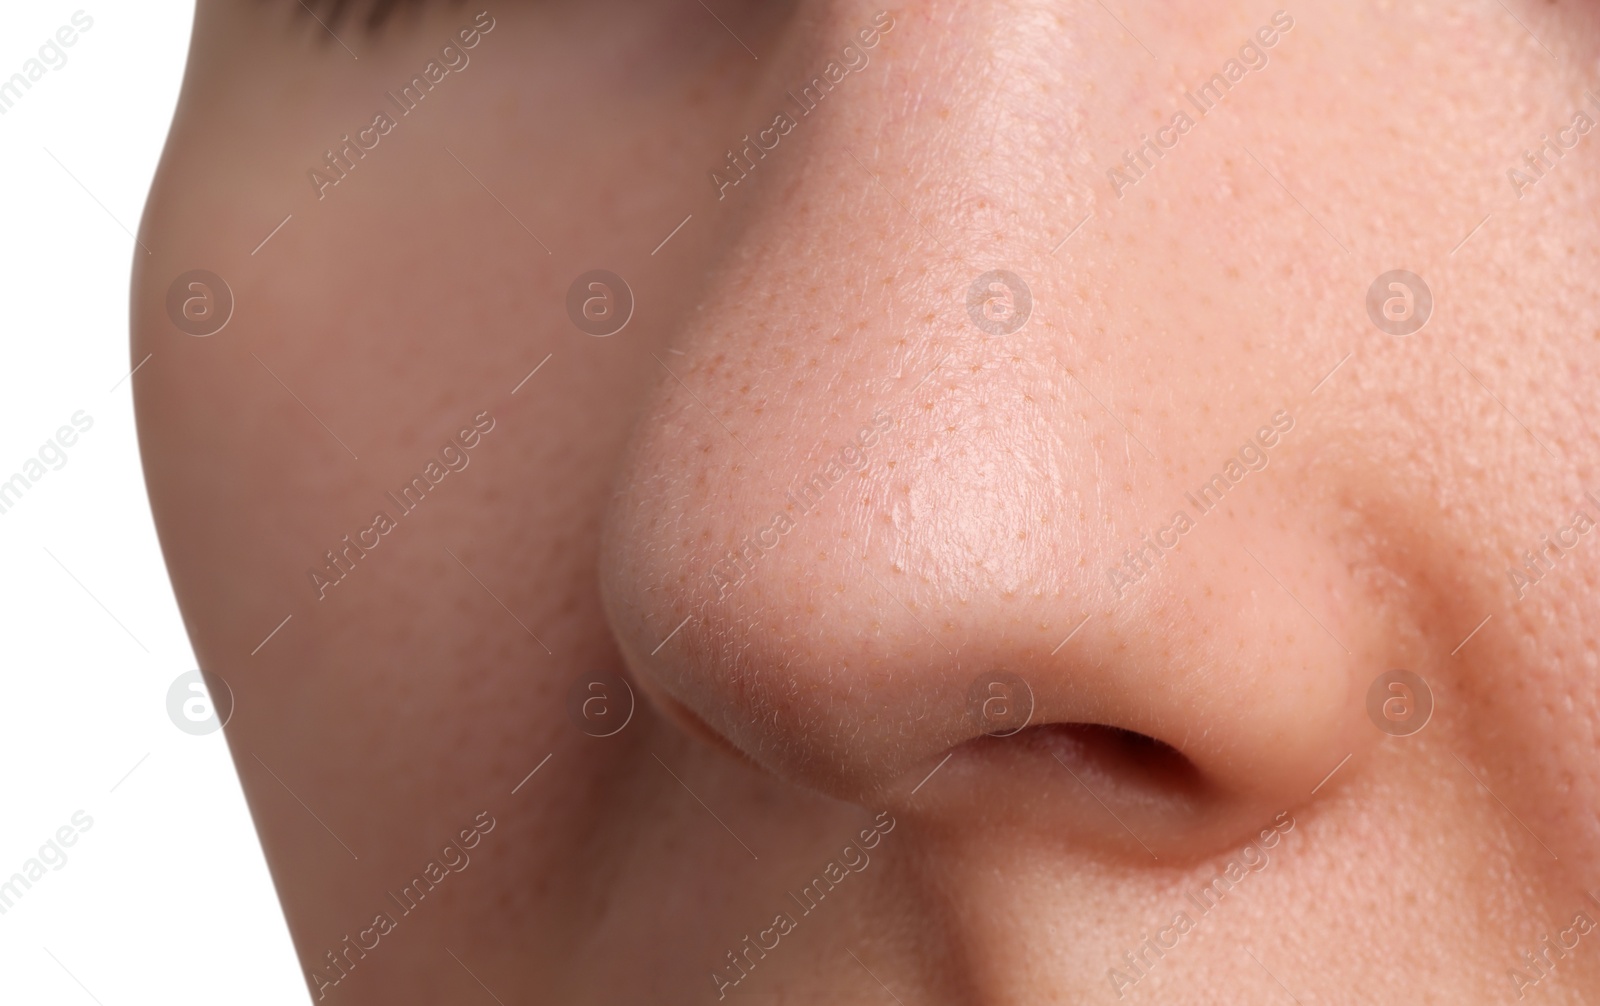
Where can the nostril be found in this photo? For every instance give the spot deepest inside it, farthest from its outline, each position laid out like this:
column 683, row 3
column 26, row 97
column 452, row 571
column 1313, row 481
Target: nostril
column 1125, row 756
column 1111, row 761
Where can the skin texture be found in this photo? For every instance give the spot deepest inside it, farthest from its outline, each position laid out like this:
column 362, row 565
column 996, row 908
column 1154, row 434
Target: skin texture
column 780, row 710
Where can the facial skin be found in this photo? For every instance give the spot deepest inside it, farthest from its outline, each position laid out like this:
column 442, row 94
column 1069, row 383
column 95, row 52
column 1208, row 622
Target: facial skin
column 1215, row 309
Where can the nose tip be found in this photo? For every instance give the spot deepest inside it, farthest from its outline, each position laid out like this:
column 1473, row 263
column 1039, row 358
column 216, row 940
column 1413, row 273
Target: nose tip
column 896, row 614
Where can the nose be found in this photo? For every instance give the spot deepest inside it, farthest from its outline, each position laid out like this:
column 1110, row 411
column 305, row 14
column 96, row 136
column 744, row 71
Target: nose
column 900, row 521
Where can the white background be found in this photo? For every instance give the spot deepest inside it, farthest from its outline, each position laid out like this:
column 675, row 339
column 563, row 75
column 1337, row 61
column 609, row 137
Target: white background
column 166, row 897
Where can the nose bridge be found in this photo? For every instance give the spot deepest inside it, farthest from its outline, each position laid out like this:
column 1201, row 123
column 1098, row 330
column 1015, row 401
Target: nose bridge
column 909, row 119
column 869, row 202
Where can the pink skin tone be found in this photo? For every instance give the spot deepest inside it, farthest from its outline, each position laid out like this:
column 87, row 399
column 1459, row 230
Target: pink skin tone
column 985, row 528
